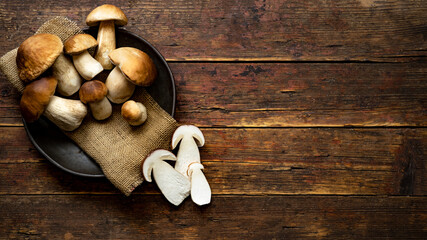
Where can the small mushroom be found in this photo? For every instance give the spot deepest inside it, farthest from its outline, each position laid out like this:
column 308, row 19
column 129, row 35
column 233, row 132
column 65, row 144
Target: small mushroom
column 133, row 67
column 134, row 113
column 173, row 185
column 69, row 80
column 38, row 99
column 200, row 189
column 94, row 93
column 107, row 16
column 36, row 54
column 191, row 138
column 85, row 64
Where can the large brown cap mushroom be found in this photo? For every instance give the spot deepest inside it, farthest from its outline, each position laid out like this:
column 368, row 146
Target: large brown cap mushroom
column 36, row 54
column 36, row 97
column 79, row 43
column 92, row 91
column 106, row 12
column 136, row 65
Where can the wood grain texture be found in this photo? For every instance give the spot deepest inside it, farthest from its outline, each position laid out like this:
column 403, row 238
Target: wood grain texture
column 228, row 217
column 257, row 162
column 277, row 87
column 287, row 94
column 249, row 30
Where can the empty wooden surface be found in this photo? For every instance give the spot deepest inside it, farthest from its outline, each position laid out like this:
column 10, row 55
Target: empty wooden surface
column 314, row 114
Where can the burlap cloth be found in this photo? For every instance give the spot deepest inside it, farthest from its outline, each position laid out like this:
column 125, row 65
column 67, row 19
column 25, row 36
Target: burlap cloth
column 115, row 145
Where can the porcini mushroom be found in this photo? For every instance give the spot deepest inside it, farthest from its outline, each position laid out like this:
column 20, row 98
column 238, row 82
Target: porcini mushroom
column 133, row 67
column 107, row 16
column 135, row 113
column 200, row 189
column 173, row 185
column 69, row 80
column 191, row 138
column 36, row 54
column 94, row 93
column 38, row 99
column 188, row 161
column 85, row 64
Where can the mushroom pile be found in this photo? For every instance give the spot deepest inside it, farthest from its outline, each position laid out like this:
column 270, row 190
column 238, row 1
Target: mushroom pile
column 51, row 68
column 177, row 183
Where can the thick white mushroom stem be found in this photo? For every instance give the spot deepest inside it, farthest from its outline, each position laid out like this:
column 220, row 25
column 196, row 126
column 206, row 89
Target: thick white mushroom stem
column 119, row 88
column 86, row 65
column 69, row 80
column 173, row 185
column 106, row 43
column 200, row 189
column 191, row 138
column 101, row 109
column 67, row 114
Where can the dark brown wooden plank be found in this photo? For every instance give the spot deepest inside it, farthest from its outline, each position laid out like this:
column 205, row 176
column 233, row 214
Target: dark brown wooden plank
column 287, row 94
column 249, row 30
column 227, row 217
column 283, row 95
column 257, row 161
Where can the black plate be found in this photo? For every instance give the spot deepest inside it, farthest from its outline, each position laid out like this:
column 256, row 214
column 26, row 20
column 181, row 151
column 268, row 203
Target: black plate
column 53, row 144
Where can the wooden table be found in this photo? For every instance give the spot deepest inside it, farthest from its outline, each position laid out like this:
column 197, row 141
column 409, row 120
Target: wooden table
column 314, row 113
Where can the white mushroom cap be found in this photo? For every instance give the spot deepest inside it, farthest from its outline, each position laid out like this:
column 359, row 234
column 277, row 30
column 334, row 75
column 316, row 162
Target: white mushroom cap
column 152, row 159
column 173, row 185
column 188, row 130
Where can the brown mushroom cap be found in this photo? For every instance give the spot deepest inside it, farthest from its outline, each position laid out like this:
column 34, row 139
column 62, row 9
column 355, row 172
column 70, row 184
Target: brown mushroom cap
column 105, row 13
column 79, row 43
column 36, row 54
column 135, row 64
column 130, row 111
column 92, row 91
column 36, row 97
